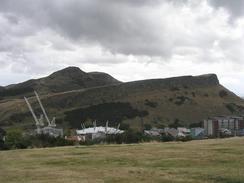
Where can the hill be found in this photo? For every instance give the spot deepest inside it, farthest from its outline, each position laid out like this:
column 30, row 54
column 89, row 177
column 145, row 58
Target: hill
column 70, row 78
column 156, row 102
column 215, row 161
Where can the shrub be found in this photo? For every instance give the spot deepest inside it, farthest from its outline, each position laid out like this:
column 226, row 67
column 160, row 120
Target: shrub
column 176, row 124
column 151, row 103
column 128, row 137
column 223, row 93
column 185, row 86
column 124, row 126
column 48, row 141
column 230, row 107
column 16, row 140
column 167, row 138
column 184, row 139
column 181, row 100
column 147, row 126
column 194, row 125
column 174, row 88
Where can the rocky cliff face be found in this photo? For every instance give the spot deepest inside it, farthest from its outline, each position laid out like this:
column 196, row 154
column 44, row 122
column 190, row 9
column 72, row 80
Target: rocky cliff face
column 174, row 83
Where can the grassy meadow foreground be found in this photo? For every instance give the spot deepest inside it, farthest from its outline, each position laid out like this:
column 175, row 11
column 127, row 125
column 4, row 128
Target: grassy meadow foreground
column 217, row 161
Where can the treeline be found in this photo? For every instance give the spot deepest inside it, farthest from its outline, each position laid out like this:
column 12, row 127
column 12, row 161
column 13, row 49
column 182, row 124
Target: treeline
column 15, row 139
column 115, row 111
column 15, row 91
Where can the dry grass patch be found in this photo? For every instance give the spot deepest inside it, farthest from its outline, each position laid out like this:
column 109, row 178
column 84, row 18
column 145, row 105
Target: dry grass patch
column 216, row 161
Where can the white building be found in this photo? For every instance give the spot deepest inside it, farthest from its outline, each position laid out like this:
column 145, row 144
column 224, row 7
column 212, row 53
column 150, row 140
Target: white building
column 99, row 132
column 51, row 131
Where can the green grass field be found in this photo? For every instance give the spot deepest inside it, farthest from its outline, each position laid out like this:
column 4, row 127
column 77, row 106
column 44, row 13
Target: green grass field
column 218, row 161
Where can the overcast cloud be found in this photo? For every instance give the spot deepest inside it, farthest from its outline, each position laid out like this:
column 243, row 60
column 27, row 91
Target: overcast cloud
column 130, row 40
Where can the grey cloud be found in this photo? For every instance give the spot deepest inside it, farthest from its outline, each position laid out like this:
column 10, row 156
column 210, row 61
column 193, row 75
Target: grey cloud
column 134, row 27
column 116, row 25
column 236, row 7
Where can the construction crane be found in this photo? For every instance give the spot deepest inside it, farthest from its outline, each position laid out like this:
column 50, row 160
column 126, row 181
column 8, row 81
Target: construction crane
column 32, row 111
column 40, row 121
column 50, row 129
column 43, row 110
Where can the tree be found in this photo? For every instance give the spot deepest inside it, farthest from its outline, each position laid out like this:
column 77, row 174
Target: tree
column 2, row 135
column 16, row 140
column 176, row 124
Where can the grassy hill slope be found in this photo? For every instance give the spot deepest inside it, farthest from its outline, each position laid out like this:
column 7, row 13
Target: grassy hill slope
column 212, row 161
column 157, row 102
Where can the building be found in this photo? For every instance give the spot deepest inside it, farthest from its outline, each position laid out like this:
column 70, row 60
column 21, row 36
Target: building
column 180, row 132
column 183, row 132
column 154, row 132
column 51, row 131
column 197, row 133
column 223, row 125
column 99, row 132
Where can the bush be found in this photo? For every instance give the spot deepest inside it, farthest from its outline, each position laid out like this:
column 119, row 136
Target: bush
column 48, row 141
column 124, row 126
column 231, row 108
column 176, row 124
column 181, row 100
column 223, row 93
column 174, row 88
column 147, row 126
column 194, row 125
column 128, row 137
column 16, row 140
column 167, row 138
column 2, row 145
column 151, row 103
column 184, row 139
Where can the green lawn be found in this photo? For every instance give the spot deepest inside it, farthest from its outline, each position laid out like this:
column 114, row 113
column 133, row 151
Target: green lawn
column 219, row 161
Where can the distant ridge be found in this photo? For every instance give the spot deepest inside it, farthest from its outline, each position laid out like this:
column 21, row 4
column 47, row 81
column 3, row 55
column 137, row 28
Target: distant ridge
column 74, row 96
column 202, row 80
column 70, row 78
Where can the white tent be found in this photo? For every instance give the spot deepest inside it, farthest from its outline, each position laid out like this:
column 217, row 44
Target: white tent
column 99, row 129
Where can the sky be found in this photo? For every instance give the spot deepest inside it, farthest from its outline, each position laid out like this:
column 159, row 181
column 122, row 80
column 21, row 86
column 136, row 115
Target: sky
column 129, row 39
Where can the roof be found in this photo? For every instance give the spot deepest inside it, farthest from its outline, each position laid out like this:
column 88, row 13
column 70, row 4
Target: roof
column 197, row 131
column 172, row 131
column 227, row 117
column 183, row 130
column 179, row 132
column 99, row 129
column 152, row 132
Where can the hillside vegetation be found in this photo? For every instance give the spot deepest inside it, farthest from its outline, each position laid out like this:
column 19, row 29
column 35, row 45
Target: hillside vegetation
column 156, row 102
column 206, row 161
